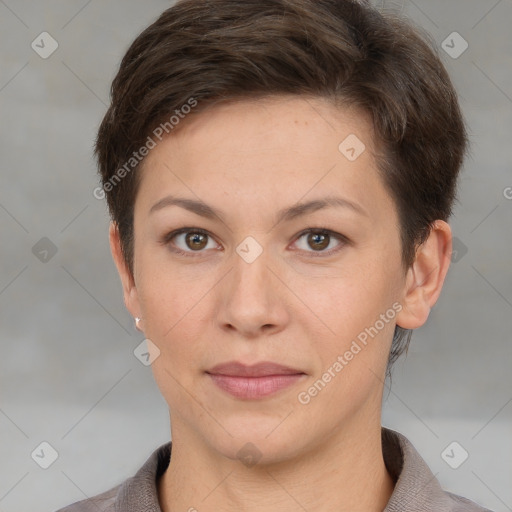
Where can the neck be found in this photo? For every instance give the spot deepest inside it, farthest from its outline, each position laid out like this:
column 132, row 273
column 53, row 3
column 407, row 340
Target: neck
column 346, row 472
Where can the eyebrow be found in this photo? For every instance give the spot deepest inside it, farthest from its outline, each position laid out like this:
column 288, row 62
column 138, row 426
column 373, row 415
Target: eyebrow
column 287, row 214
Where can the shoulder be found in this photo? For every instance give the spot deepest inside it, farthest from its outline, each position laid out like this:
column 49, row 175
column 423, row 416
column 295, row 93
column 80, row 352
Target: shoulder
column 461, row 504
column 103, row 502
column 416, row 487
column 139, row 492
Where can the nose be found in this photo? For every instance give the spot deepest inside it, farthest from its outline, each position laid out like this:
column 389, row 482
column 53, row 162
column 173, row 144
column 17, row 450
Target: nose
column 253, row 298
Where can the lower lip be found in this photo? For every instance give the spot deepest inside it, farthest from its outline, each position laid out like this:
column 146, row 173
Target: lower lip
column 252, row 388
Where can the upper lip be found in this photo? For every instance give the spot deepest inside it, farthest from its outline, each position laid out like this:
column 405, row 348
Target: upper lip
column 264, row 368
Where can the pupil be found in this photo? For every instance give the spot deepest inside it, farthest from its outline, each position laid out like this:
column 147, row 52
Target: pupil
column 196, row 239
column 318, row 238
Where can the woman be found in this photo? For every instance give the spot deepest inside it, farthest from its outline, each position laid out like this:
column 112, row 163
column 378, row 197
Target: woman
column 279, row 176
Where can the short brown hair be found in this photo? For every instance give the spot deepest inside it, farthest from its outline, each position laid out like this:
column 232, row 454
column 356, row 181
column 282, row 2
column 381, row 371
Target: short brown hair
column 342, row 50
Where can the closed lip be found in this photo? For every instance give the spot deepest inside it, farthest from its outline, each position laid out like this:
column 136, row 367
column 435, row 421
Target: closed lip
column 262, row 369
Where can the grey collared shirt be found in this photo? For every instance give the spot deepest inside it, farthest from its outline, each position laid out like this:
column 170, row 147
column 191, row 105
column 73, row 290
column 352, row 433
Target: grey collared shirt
column 416, row 488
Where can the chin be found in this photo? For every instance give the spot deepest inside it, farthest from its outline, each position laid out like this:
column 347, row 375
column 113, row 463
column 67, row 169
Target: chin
column 263, row 438
column 261, row 450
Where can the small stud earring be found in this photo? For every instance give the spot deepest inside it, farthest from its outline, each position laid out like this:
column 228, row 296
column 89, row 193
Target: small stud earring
column 137, row 324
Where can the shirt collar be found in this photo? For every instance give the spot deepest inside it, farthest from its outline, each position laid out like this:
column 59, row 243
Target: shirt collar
column 416, row 488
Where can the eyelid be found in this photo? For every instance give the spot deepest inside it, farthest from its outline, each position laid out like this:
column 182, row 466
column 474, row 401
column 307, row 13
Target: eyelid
column 166, row 240
column 333, row 234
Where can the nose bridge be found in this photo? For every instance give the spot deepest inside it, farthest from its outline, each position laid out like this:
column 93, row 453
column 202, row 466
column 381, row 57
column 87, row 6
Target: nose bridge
column 252, row 296
column 251, row 274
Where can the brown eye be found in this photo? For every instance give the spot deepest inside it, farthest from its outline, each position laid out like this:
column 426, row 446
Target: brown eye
column 188, row 241
column 196, row 241
column 318, row 241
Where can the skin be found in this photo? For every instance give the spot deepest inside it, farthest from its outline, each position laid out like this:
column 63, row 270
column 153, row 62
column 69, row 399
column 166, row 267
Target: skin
column 249, row 160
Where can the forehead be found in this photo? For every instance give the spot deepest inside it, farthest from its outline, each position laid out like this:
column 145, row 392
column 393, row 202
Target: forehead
column 299, row 123
column 280, row 149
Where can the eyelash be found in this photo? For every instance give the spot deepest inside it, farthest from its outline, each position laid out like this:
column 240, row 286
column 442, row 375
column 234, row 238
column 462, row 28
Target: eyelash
column 166, row 240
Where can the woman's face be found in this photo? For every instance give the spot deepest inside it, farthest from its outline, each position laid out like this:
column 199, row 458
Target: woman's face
column 248, row 284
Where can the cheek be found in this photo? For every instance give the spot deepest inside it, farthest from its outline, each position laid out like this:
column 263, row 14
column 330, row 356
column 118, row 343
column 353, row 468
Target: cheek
column 173, row 310
column 355, row 315
column 357, row 328
column 168, row 293
column 176, row 304
column 174, row 318
column 350, row 298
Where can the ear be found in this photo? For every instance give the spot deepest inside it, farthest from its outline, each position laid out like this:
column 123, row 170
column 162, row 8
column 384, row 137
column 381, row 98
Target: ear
column 426, row 276
column 131, row 298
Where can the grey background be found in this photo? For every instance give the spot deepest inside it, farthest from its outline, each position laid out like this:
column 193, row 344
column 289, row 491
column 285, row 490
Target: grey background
column 68, row 373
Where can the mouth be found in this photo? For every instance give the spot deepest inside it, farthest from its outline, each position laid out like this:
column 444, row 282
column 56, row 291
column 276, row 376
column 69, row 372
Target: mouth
column 255, row 381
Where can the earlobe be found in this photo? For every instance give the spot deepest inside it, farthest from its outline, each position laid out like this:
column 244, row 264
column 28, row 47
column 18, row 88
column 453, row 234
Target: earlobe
column 426, row 276
column 127, row 281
